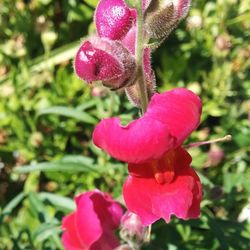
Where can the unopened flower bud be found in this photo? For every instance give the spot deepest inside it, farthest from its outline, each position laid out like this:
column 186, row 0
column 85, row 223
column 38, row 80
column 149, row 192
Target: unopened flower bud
column 36, row 139
column 99, row 91
column 113, row 19
column 48, row 39
column 194, row 22
column 132, row 228
column 132, row 91
column 145, row 4
column 223, row 42
column 162, row 16
column 101, row 59
column 124, row 247
column 215, row 155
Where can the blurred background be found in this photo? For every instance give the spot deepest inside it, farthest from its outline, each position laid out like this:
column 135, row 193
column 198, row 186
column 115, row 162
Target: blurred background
column 47, row 116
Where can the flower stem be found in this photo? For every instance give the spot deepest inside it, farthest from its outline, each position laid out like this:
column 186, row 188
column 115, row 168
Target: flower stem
column 139, row 52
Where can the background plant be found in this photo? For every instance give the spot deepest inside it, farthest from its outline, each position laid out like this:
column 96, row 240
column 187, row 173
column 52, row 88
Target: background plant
column 47, row 116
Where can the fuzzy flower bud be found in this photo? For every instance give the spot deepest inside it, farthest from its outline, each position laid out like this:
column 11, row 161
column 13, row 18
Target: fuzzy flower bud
column 132, row 91
column 132, row 227
column 162, row 16
column 113, row 19
column 101, row 59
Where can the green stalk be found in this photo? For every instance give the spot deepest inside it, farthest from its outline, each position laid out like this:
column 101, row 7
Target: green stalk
column 139, row 52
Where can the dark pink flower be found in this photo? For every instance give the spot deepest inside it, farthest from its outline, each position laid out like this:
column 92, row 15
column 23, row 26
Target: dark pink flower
column 168, row 186
column 92, row 225
column 113, row 19
column 159, row 169
column 101, row 59
column 170, row 119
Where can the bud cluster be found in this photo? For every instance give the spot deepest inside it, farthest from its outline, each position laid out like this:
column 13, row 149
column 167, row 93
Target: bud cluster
column 109, row 57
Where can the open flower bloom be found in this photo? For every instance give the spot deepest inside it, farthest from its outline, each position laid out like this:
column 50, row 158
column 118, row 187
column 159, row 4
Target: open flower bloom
column 159, row 169
column 92, row 225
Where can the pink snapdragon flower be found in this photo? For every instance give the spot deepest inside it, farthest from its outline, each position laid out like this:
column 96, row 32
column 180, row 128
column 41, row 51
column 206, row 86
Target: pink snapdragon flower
column 159, row 169
column 92, row 226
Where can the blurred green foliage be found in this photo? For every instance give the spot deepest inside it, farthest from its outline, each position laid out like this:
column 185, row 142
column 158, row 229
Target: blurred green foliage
column 47, row 116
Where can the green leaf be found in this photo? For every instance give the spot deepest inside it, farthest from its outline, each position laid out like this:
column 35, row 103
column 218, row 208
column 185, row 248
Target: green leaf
column 59, row 166
column 13, row 203
column 218, row 233
column 45, row 231
column 58, row 56
column 78, row 159
column 58, row 201
column 37, row 207
column 68, row 112
column 133, row 3
column 92, row 3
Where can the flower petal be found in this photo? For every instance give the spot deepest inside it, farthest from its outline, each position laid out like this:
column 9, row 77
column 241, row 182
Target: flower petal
column 88, row 224
column 94, row 64
column 180, row 109
column 113, row 19
column 69, row 237
column 170, row 118
column 181, row 197
column 139, row 141
column 92, row 226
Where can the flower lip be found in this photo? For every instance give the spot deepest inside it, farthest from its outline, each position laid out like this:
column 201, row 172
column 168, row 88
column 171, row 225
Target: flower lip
column 165, row 126
column 139, row 141
column 180, row 197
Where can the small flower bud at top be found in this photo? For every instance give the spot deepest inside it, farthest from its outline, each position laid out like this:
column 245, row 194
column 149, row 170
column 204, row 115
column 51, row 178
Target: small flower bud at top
column 162, row 16
column 101, row 59
column 113, row 19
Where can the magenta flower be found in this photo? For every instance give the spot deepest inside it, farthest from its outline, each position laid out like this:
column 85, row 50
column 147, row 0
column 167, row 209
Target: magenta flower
column 101, row 59
column 159, row 169
column 113, row 19
column 168, row 186
column 92, row 225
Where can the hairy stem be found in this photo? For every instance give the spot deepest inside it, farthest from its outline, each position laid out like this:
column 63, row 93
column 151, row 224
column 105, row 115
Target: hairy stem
column 139, row 52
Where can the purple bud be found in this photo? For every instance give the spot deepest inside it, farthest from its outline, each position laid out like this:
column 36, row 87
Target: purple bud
column 113, row 19
column 101, row 59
